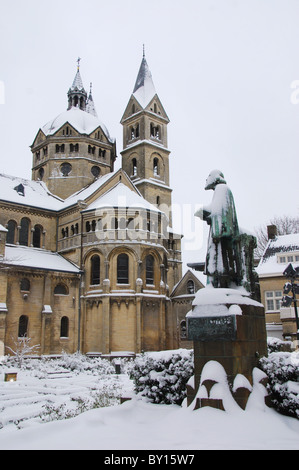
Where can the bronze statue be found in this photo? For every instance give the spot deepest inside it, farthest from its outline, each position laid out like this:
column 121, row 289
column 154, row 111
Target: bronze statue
column 230, row 253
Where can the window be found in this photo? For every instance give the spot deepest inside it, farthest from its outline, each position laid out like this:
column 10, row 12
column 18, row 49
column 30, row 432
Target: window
column 273, row 300
column 12, row 230
column 24, row 232
column 23, row 326
column 134, row 167
column 190, row 287
column 25, row 285
column 64, row 327
column 95, row 270
column 149, row 268
column 61, row 289
column 155, row 131
column 183, row 329
column 65, row 169
column 74, row 148
column 41, row 173
column 59, row 148
column 95, row 171
column 37, row 236
column 155, row 167
column 123, row 269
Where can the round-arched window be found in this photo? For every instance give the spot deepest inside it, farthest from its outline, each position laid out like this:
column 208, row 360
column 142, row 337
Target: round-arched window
column 60, row 289
column 65, row 168
column 95, row 171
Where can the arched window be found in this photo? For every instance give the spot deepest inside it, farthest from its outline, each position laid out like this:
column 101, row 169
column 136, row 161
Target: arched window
column 37, row 236
column 60, row 289
column 183, row 330
column 114, row 223
column 190, row 287
column 65, row 169
column 95, row 171
column 155, row 167
column 12, row 230
column 95, row 270
column 149, row 270
column 134, row 167
column 23, row 326
column 24, row 232
column 41, row 173
column 64, row 327
column 25, row 285
column 123, row 269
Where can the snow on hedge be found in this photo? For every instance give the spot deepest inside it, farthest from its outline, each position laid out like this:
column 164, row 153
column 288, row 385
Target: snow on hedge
column 162, row 376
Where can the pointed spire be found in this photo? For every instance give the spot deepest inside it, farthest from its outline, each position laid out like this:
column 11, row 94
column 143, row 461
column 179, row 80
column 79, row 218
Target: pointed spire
column 77, row 95
column 77, row 83
column 144, row 89
column 90, row 107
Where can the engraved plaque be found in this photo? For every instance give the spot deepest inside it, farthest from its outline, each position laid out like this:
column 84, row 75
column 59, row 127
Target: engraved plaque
column 214, row 328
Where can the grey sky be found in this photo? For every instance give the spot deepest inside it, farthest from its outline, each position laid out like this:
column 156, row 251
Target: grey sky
column 223, row 70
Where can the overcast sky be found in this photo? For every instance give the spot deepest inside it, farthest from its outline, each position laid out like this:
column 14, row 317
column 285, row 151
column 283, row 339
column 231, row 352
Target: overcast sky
column 223, row 70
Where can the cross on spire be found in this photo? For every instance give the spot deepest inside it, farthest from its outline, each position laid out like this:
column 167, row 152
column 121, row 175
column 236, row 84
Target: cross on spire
column 78, row 63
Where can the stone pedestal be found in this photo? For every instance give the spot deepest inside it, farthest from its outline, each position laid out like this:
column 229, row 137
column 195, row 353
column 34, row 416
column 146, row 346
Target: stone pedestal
column 228, row 327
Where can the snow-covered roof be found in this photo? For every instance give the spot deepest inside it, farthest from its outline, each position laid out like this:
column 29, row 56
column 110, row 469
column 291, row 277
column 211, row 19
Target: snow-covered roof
column 84, row 122
column 77, row 83
column 38, row 258
column 144, row 89
column 121, row 196
column 271, row 263
column 35, row 194
column 27, row 192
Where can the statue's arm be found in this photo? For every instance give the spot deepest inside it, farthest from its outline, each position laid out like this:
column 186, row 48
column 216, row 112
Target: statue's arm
column 204, row 214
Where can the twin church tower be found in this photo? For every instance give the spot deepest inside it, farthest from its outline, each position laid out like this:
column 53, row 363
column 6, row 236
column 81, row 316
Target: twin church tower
column 91, row 261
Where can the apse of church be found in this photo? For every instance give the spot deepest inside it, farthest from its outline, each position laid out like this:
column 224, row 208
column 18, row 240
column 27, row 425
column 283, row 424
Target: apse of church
column 90, row 260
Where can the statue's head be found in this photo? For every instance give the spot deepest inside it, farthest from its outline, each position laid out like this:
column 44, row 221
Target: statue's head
column 214, row 178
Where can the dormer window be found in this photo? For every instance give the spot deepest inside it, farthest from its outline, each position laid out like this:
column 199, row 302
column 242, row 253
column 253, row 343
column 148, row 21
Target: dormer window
column 20, row 189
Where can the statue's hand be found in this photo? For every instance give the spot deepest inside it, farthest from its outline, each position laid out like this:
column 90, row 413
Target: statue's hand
column 204, row 215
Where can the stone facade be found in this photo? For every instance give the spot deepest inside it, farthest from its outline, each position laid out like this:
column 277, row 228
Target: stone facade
column 89, row 262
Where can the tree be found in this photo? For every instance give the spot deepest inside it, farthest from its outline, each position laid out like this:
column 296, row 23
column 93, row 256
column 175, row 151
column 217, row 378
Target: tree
column 284, row 224
column 22, row 347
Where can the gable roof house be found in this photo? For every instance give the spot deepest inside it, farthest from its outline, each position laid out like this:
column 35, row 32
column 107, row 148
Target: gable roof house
column 279, row 253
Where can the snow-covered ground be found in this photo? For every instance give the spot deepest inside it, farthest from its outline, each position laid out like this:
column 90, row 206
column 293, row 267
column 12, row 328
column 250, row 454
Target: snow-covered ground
column 133, row 425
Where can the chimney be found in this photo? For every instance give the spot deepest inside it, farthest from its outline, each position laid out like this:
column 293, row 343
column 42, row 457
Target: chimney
column 272, row 232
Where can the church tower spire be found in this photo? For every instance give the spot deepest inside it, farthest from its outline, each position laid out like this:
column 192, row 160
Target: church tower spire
column 77, row 95
column 145, row 156
column 90, row 107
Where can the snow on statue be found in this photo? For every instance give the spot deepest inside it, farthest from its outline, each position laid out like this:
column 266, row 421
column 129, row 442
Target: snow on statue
column 229, row 261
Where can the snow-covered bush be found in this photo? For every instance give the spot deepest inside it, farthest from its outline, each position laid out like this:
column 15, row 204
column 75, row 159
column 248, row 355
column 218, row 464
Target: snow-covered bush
column 107, row 394
column 282, row 369
column 76, row 363
column 162, row 376
column 278, row 345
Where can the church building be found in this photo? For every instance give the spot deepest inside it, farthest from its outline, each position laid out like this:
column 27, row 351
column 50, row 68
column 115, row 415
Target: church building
column 89, row 260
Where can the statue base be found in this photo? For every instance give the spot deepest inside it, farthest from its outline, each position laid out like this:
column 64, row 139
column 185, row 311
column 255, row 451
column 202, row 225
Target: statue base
column 226, row 326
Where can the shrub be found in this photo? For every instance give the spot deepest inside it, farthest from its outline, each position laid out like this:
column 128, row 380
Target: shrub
column 282, row 369
column 162, row 376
